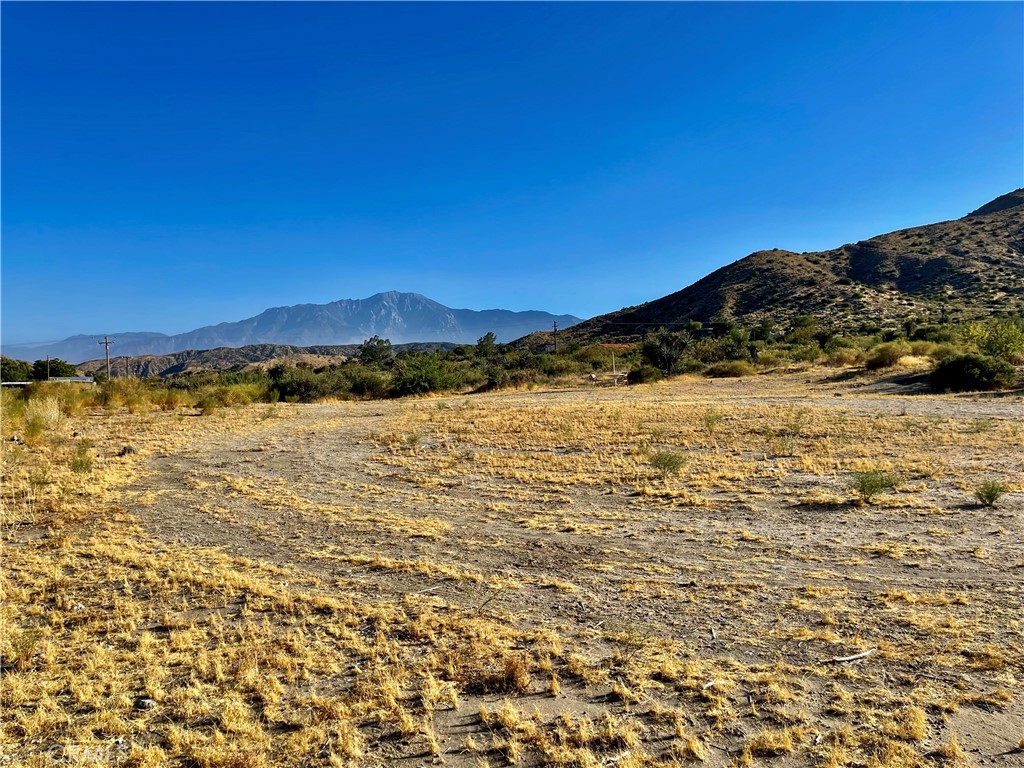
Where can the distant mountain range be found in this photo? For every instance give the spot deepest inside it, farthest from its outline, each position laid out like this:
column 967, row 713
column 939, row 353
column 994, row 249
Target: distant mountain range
column 961, row 269
column 400, row 317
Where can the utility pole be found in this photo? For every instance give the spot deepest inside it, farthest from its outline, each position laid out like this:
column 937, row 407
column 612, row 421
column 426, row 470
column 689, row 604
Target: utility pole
column 47, row 367
column 106, row 349
column 554, row 332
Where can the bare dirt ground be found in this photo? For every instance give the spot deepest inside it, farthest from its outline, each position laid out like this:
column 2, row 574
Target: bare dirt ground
column 542, row 510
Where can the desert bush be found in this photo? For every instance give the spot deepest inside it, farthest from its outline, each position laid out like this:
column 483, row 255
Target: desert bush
column 805, row 353
column 989, row 492
column 557, row 365
column 132, row 394
column 643, row 374
column 711, row 420
column 12, row 408
column 923, row 348
column 244, row 393
column 297, row 385
column 731, row 369
column 420, row 374
column 769, row 358
column 869, row 483
column 71, row 399
column 667, row 462
column 597, row 358
column 82, row 461
column 846, row 356
column 664, row 350
column 169, row 399
column 366, row 382
column 42, row 416
column 707, row 351
column 940, row 334
column 973, row 373
column 943, row 352
column 887, row 355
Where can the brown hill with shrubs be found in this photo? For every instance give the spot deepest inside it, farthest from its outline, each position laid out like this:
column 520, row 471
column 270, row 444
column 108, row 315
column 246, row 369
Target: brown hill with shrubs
column 966, row 268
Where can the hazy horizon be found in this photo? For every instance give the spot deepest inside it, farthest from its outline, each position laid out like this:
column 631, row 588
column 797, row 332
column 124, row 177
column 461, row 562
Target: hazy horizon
column 172, row 166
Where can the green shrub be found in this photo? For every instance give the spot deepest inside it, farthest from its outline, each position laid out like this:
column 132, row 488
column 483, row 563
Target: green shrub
column 887, row 355
column 869, row 483
column 667, row 462
column 296, row 385
column 989, row 492
column 644, row 374
column 707, row 351
column 805, row 353
column 420, row 374
column 973, row 373
column 731, row 370
column 365, row 382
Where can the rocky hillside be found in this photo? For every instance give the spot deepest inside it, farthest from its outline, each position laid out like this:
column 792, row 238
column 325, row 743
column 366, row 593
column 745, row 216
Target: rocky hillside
column 969, row 267
column 400, row 317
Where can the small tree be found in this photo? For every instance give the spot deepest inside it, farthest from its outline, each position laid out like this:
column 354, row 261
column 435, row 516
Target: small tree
column 376, row 352
column 42, row 369
column 487, row 346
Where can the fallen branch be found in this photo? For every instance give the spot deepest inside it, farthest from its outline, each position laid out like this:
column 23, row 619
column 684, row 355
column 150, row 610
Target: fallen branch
column 842, row 659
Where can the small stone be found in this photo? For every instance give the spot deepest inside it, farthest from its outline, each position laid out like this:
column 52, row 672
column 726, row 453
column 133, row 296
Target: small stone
column 143, row 704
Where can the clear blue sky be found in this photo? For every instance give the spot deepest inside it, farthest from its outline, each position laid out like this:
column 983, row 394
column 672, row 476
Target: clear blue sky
column 167, row 166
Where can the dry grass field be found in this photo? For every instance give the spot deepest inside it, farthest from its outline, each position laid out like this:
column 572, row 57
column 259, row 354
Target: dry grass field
column 670, row 574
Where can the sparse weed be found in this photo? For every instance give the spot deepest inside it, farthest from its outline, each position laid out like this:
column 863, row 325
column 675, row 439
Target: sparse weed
column 868, row 483
column 82, row 461
column 989, row 492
